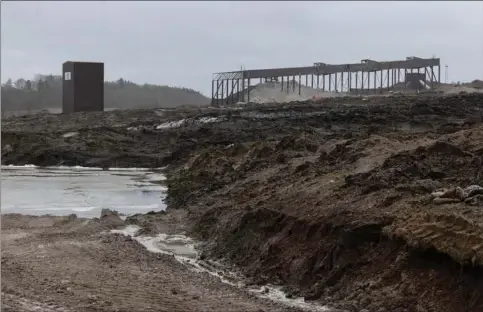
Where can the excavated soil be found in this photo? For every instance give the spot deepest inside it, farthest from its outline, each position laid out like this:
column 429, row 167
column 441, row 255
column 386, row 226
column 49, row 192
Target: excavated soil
column 333, row 200
column 68, row 264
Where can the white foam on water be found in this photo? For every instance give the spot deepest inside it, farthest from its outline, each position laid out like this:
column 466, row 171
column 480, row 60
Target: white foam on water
column 276, row 294
column 155, row 177
column 186, row 253
column 18, row 167
column 155, row 244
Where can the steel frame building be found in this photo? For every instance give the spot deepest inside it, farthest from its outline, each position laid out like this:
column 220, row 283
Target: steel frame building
column 367, row 77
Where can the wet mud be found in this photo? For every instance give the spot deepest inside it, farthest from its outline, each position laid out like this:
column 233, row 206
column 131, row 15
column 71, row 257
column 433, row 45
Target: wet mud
column 331, row 200
column 72, row 264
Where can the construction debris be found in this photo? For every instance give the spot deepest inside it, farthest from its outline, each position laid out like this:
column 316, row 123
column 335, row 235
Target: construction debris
column 470, row 195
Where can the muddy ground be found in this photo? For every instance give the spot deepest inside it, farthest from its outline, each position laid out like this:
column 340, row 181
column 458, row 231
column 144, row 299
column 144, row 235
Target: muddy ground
column 331, row 199
column 62, row 264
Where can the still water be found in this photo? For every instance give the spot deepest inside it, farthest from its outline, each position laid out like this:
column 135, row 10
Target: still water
column 83, row 191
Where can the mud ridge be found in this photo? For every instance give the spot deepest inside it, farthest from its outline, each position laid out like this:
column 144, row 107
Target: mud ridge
column 332, row 199
column 344, row 264
column 343, row 218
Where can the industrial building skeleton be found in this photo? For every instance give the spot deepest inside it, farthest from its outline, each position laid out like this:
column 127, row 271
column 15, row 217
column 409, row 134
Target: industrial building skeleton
column 367, row 77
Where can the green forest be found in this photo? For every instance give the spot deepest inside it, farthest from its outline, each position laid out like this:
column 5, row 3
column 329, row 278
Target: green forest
column 45, row 92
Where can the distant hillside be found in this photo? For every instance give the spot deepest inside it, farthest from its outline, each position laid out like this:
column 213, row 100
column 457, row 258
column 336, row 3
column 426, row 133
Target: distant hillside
column 45, row 92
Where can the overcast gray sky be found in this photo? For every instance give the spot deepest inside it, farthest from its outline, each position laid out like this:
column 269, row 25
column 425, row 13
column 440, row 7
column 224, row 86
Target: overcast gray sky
column 183, row 43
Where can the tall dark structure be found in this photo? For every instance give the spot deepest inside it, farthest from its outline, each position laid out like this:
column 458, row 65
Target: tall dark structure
column 366, row 77
column 82, row 87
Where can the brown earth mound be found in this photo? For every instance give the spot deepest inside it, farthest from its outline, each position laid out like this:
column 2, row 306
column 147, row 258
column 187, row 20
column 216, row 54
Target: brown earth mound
column 344, row 217
column 331, row 199
column 367, row 240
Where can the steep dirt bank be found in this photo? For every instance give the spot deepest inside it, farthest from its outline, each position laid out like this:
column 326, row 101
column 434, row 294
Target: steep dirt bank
column 346, row 217
column 349, row 223
column 331, row 199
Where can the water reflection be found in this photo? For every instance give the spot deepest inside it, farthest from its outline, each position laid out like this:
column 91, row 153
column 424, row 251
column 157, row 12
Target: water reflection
column 84, row 191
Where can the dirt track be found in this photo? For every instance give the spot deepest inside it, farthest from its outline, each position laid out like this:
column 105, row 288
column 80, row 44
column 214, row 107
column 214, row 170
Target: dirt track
column 330, row 199
column 59, row 264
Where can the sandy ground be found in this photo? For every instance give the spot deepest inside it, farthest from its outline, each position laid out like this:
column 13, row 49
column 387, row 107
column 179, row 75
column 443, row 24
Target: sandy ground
column 62, row 264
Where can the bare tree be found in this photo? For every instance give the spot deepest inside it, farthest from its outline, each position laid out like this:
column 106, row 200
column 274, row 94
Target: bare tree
column 9, row 83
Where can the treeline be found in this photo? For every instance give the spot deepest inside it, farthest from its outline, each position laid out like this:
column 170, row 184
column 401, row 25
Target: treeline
column 45, row 92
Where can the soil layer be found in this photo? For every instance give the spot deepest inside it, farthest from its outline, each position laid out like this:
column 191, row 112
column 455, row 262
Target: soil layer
column 332, row 199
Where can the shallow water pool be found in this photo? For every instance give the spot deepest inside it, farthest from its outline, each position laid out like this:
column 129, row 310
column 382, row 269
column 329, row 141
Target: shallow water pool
column 83, row 191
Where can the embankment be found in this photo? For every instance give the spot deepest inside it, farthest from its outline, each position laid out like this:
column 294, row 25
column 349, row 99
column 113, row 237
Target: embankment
column 343, row 216
column 331, row 199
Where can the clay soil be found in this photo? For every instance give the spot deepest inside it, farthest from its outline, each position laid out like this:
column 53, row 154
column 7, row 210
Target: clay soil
column 331, row 200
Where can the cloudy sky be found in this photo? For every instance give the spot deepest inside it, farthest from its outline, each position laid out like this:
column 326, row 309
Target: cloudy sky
column 183, row 43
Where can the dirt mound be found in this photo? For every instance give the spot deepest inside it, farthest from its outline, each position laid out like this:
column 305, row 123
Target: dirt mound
column 274, row 92
column 331, row 199
column 452, row 235
column 477, row 84
column 342, row 263
column 453, row 88
column 438, row 161
column 132, row 138
column 305, row 142
column 346, row 220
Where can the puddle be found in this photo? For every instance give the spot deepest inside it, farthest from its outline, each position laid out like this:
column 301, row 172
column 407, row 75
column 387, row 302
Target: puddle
column 184, row 251
column 84, row 191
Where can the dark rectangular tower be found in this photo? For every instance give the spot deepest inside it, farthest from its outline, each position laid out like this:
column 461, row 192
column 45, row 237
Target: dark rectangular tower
column 82, row 87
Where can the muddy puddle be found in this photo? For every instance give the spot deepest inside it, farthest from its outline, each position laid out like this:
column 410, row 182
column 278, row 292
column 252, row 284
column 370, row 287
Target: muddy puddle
column 184, row 250
column 84, row 191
